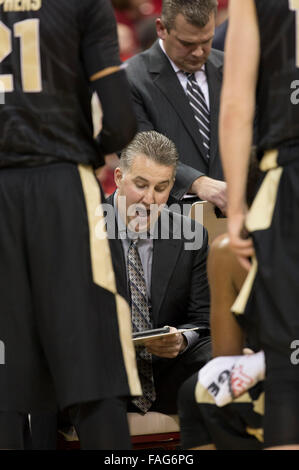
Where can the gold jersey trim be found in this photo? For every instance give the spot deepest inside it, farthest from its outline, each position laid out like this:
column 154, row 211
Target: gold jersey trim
column 260, row 214
column 103, row 273
column 104, row 73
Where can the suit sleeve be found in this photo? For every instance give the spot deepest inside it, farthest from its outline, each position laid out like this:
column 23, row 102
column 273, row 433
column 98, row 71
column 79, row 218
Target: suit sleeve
column 185, row 176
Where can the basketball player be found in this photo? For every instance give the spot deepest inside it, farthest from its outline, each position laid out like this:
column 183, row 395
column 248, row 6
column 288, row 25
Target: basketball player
column 262, row 68
column 64, row 328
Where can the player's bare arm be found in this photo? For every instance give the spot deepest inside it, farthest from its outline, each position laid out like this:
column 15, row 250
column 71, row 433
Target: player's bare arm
column 237, row 115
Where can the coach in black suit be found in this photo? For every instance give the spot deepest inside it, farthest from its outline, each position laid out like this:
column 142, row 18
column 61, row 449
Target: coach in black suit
column 174, row 266
column 159, row 90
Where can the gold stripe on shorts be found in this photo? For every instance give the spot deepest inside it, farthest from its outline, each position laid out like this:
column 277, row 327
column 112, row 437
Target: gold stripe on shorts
column 128, row 349
column 103, row 273
column 240, row 303
column 259, row 404
column 260, row 217
column 258, row 433
column 260, row 214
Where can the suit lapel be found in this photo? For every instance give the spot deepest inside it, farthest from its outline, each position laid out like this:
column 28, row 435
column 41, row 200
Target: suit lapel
column 165, row 256
column 214, row 81
column 117, row 253
column 166, row 80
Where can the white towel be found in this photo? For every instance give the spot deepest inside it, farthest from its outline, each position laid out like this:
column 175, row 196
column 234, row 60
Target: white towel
column 228, row 377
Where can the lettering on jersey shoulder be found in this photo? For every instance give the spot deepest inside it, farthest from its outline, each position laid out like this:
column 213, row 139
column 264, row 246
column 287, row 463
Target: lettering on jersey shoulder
column 295, row 94
column 21, row 5
column 294, row 356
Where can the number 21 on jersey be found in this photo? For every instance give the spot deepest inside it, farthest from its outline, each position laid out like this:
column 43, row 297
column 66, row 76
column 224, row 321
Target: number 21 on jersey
column 294, row 6
column 28, row 32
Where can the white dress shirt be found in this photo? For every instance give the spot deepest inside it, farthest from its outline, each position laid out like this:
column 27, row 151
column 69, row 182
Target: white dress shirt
column 200, row 76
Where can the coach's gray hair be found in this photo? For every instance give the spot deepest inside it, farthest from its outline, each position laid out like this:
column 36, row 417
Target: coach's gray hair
column 196, row 12
column 153, row 145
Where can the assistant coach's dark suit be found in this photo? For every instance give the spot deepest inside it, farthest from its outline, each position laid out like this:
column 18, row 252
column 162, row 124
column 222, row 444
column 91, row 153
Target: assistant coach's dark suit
column 179, row 298
column 161, row 104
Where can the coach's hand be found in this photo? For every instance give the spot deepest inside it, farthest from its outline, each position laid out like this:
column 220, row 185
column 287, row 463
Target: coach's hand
column 168, row 346
column 209, row 189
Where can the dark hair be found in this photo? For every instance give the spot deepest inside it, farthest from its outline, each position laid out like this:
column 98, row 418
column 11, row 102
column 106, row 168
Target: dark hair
column 155, row 146
column 196, row 12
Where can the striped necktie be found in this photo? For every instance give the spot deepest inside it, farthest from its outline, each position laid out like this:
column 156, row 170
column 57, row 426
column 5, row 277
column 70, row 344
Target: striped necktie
column 141, row 320
column 200, row 109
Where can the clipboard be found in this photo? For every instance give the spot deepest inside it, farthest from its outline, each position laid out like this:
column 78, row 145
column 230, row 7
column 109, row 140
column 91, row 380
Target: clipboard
column 141, row 339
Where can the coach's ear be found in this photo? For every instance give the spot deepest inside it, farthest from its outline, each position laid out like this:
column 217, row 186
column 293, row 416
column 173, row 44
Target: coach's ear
column 161, row 29
column 118, row 176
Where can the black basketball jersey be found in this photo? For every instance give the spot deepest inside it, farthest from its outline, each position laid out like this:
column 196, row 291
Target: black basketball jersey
column 49, row 49
column 278, row 85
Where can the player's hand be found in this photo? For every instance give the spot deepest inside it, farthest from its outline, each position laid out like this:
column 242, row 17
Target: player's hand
column 168, row 347
column 241, row 246
column 211, row 190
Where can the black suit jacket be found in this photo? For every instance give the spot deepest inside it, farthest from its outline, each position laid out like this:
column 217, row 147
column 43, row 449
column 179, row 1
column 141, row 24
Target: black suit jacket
column 179, row 285
column 161, row 104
